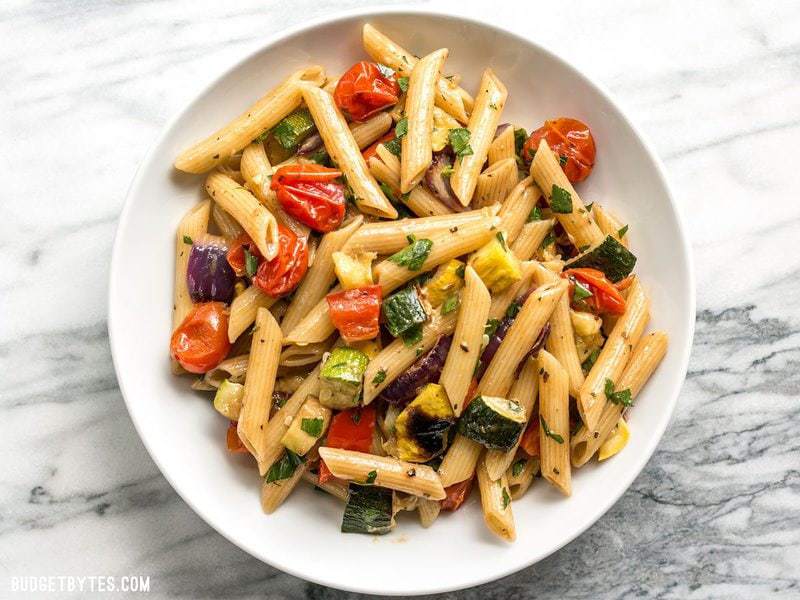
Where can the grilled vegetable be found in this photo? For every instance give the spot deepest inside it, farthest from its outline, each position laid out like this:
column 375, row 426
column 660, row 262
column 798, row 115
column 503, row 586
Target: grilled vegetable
column 616, row 441
column 341, row 378
column 355, row 312
column 352, row 429
column 368, row 510
column 494, row 422
column 497, row 267
column 208, row 274
column 422, row 427
column 307, row 427
column 610, row 257
column 402, row 310
column 426, row 370
column 437, row 180
column 285, row 138
column 228, row 399
column 353, row 271
column 447, row 281
column 442, row 124
column 585, row 323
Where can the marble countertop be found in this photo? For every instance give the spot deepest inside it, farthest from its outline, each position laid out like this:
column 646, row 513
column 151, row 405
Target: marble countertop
column 87, row 87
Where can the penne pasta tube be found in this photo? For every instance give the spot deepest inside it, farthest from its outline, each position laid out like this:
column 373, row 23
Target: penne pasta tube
column 530, row 238
column 417, row 152
column 383, row 471
column 609, row 224
column 371, row 130
column 255, row 219
column 501, row 301
column 244, row 308
column 503, row 147
column 554, row 423
column 496, row 504
column 320, row 275
column 517, row 208
column 546, row 172
column 523, row 392
column 258, row 118
column 646, row 356
column 561, row 341
column 343, row 149
column 226, row 224
column 449, row 97
column 466, row 346
column 275, row 492
column 482, row 124
column 395, row 358
column 262, row 367
column 527, row 325
column 389, row 237
column 386, row 169
column 428, row 511
column 233, row 369
column 496, row 182
column 615, row 354
column 193, row 225
column 521, row 474
column 309, row 354
column 335, row 487
column 459, row 461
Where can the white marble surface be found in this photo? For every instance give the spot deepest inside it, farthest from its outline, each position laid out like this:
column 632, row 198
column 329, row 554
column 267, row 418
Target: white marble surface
column 86, row 86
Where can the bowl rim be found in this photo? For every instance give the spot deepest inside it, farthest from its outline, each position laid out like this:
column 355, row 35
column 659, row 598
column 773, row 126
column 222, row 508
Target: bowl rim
column 424, row 11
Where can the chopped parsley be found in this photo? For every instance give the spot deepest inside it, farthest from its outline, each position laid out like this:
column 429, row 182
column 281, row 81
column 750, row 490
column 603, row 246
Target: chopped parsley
column 402, row 82
column 621, row 233
column 562, row 160
column 490, row 327
column 414, row 255
column 506, row 499
column 394, row 146
column 589, row 206
column 387, row 72
column 502, row 240
column 623, row 397
column 447, row 171
column 460, row 271
column 549, row 432
column 412, row 335
column 549, row 239
column 356, row 416
column 250, row 263
column 534, row 215
column 450, row 304
column 320, row 157
column 285, row 467
column 312, row 427
column 459, row 141
column 513, row 309
column 520, row 135
column 380, row 377
column 590, row 360
column 516, row 468
column 187, row 240
column 401, row 128
column 581, row 291
column 560, row 200
column 493, row 106
column 371, row 477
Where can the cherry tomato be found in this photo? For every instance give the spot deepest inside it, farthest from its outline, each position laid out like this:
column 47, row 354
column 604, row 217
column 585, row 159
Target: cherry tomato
column 373, row 150
column 529, row 442
column 279, row 276
column 355, row 312
column 352, row 429
column 456, row 494
column 236, row 257
column 309, row 194
column 363, row 91
column 233, row 441
column 200, row 343
column 605, row 296
column 570, row 140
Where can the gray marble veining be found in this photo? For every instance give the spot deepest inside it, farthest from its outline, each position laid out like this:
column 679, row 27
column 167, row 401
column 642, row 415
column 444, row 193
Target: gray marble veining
column 87, row 86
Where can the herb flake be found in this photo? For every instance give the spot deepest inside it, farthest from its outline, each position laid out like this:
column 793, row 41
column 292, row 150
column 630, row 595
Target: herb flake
column 414, row 255
column 401, row 128
column 549, row 432
column 312, row 427
column 284, row 468
column 187, row 240
column 518, row 466
column 560, row 200
column 402, row 82
column 450, row 304
column 371, row 477
column 459, row 141
column 622, row 397
column 380, row 377
column 250, row 263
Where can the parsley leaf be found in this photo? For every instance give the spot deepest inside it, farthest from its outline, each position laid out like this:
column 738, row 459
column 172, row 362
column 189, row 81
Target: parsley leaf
column 447, row 171
column 401, row 128
column 387, row 72
column 312, row 427
column 517, row 467
column 413, row 256
column 549, row 432
column 450, row 304
column 490, row 327
column 560, row 200
column 502, row 240
column 187, row 240
column 623, row 397
column 371, row 477
column 589, row 206
column 320, row 157
column 621, row 233
column 412, row 335
column 380, row 377
column 590, row 360
column 285, row 467
column 459, row 141
column 402, row 82
column 513, row 309
column 549, row 239
column 535, row 215
column 520, row 135
column 562, row 160
column 506, row 499
column 460, row 271
column 581, row 291
column 394, row 146
column 250, row 263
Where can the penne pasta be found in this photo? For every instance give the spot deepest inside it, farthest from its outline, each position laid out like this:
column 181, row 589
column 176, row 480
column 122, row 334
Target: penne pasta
column 527, row 325
column 244, row 308
column 482, row 124
column 428, row 511
column 193, row 225
column 275, row 492
column 503, row 146
column 521, row 474
column 383, row 471
column 335, row 487
column 417, row 152
column 646, row 356
column 496, row 504
column 546, row 172
column 496, row 182
column 386, row 169
column 501, row 301
column 226, row 224
column 258, row 118
column 344, row 150
column 517, row 208
column 459, row 461
column 614, row 355
column 234, row 369
column 255, row 219
column 309, row 354
column 466, row 346
column 262, row 367
column 554, row 423
column 530, row 238
column 609, row 224
column 523, row 392
column 371, row 130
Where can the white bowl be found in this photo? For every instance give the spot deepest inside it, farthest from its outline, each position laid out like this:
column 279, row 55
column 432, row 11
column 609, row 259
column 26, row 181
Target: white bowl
column 186, row 437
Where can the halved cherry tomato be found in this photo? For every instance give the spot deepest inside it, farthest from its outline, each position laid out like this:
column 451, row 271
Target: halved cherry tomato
column 530, row 439
column 363, row 91
column 373, row 150
column 309, row 194
column 355, row 312
column 200, row 343
column 570, row 140
column 236, row 258
column 605, row 296
column 352, row 429
column 233, row 441
column 456, row 494
column 279, row 276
